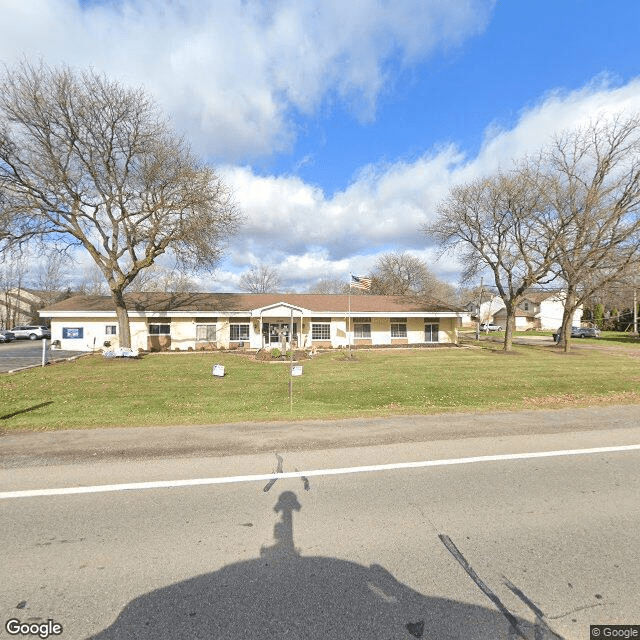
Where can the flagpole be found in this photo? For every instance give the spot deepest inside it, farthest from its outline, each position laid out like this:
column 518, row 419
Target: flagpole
column 349, row 321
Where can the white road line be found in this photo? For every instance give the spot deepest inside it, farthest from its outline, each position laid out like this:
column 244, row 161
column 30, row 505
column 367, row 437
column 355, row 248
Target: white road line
column 193, row 482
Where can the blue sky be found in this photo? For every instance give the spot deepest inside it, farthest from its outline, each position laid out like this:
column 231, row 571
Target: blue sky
column 526, row 51
column 341, row 126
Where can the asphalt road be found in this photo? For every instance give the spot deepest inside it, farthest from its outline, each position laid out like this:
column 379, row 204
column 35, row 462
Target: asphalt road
column 28, row 353
column 226, row 546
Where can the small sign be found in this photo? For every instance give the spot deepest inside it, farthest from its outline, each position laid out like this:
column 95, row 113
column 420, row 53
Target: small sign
column 218, row 370
column 72, row 333
column 296, row 371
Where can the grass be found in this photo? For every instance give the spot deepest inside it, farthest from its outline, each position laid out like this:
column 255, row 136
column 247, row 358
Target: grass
column 179, row 389
column 618, row 337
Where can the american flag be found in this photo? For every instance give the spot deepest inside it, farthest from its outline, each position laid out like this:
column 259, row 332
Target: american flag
column 360, row 283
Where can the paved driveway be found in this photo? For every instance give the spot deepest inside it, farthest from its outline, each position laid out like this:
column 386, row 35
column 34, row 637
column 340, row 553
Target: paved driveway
column 28, row 353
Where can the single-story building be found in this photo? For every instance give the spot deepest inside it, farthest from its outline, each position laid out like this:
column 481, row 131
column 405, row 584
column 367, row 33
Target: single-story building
column 194, row 321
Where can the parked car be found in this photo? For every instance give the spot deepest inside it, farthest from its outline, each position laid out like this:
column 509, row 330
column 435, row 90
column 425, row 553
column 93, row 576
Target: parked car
column 589, row 332
column 31, row 332
column 579, row 332
column 7, row 336
column 488, row 326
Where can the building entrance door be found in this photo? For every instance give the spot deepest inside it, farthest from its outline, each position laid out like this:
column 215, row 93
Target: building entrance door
column 273, row 332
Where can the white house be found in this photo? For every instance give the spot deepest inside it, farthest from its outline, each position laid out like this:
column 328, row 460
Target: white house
column 194, row 321
column 538, row 310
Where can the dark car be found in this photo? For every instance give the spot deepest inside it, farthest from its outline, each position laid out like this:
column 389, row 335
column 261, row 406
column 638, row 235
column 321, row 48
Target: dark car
column 7, row 336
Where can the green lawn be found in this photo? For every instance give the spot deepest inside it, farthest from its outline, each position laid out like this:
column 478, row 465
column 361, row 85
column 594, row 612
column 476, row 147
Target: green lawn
column 176, row 389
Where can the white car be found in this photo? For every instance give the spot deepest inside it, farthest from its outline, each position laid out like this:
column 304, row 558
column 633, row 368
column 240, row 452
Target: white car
column 488, row 326
column 31, row 332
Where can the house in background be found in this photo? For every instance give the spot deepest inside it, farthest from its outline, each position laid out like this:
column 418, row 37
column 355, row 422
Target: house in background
column 540, row 310
column 194, row 321
column 20, row 306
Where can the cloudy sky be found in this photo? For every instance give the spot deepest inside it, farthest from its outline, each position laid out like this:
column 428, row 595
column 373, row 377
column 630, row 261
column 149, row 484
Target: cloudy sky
column 341, row 124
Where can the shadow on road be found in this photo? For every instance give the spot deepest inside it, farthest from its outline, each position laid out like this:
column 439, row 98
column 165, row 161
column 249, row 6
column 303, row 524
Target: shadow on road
column 282, row 594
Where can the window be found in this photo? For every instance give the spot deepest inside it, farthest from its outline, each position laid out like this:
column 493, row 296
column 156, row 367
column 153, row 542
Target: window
column 206, row 332
column 239, row 332
column 362, row 329
column 431, row 332
column 320, row 331
column 159, row 329
column 526, row 306
column 72, row 332
column 399, row 328
column 111, row 329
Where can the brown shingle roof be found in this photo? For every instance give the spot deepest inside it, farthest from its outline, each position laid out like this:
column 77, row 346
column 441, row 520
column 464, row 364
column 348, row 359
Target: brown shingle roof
column 235, row 302
column 538, row 296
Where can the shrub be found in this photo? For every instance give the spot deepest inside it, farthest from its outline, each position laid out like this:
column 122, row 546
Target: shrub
column 275, row 353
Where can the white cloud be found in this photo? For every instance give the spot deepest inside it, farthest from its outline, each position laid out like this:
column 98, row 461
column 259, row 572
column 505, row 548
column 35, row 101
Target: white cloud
column 232, row 71
column 555, row 113
column 296, row 225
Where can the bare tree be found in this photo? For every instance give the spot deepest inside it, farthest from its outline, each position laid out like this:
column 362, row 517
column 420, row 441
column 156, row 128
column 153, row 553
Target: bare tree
column 52, row 276
column 12, row 282
column 261, row 278
column 399, row 273
column 329, row 285
column 593, row 187
column 499, row 223
column 402, row 274
column 87, row 162
column 93, row 283
column 158, row 278
column 621, row 295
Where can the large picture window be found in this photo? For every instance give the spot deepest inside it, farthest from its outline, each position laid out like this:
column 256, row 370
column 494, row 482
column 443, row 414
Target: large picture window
column 206, row 332
column 239, row 332
column 321, row 331
column 159, row 329
column 362, row 327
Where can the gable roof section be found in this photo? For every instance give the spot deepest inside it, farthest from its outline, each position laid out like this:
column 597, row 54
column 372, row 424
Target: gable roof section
column 536, row 295
column 540, row 296
column 234, row 303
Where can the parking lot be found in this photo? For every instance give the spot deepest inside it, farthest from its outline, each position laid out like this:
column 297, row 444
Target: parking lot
column 28, row 353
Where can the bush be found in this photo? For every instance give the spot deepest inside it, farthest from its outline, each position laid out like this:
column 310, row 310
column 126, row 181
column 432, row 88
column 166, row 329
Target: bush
column 276, row 353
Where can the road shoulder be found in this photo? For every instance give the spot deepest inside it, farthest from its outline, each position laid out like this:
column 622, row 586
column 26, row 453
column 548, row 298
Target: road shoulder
column 147, row 443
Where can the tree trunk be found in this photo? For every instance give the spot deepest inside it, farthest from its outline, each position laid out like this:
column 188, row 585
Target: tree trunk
column 124, row 330
column 567, row 319
column 508, row 329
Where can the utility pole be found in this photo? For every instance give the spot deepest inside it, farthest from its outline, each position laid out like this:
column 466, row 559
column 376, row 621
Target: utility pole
column 479, row 309
column 635, row 307
column 291, row 361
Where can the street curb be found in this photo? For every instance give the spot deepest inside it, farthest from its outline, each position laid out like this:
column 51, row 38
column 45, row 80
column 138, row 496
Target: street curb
column 40, row 365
